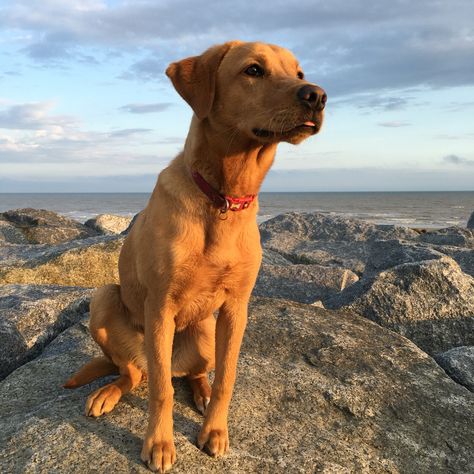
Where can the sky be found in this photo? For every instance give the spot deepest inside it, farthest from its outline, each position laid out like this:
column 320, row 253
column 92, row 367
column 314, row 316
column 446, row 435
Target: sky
column 85, row 105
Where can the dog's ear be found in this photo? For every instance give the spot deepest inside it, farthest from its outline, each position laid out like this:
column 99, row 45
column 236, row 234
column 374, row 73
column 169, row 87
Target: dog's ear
column 195, row 78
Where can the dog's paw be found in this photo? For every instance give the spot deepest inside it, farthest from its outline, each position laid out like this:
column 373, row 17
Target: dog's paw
column 214, row 441
column 103, row 400
column 201, row 402
column 159, row 456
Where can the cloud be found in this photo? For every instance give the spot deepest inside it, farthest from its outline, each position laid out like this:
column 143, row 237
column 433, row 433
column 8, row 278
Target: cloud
column 394, row 124
column 128, row 132
column 146, row 108
column 30, row 133
column 171, row 141
column 348, row 47
column 457, row 160
column 32, row 116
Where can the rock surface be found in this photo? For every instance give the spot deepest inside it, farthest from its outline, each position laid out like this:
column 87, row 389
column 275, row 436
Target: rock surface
column 109, row 224
column 317, row 391
column 10, row 233
column 39, row 226
column 326, row 239
column 302, row 283
column 385, row 254
column 31, row 316
column 86, row 262
column 456, row 236
column 459, row 365
column 470, row 222
column 430, row 302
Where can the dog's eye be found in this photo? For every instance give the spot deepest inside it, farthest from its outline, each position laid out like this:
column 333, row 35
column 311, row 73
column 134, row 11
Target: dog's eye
column 300, row 75
column 254, row 70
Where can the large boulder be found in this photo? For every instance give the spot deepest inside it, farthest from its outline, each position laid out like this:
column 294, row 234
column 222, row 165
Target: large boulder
column 31, row 316
column 317, row 391
column 10, row 233
column 470, row 222
column 454, row 236
column 39, row 226
column 302, row 283
column 108, row 224
column 459, row 365
column 384, row 254
column 326, row 239
column 463, row 256
column 87, row 262
column 430, row 302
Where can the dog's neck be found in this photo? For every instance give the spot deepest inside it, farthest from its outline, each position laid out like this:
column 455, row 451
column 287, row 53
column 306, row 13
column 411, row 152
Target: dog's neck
column 231, row 163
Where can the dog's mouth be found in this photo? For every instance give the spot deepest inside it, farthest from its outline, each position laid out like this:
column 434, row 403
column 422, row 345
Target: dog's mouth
column 309, row 128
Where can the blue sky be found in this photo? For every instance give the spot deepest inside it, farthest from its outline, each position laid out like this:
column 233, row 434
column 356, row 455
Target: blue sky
column 85, row 104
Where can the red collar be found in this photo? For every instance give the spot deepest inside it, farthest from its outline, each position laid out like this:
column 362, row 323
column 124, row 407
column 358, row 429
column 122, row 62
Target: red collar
column 224, row 203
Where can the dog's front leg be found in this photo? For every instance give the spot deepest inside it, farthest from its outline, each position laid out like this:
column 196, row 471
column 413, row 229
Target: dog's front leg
column 159, row 452
column 230, row 328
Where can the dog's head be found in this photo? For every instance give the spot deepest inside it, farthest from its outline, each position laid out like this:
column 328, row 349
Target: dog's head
column 255, row 89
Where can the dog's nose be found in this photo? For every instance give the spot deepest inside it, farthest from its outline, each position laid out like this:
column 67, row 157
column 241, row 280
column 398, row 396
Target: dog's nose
column 313, row 96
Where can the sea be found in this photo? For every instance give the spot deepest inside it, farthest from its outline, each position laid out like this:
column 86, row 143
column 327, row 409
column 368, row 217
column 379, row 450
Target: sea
column 410, row 209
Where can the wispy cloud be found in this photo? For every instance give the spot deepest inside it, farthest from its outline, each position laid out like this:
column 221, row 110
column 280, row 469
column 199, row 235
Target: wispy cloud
column 128, row 132
column 32, row 116
column 32, row 133
column 146, row 108
column 394, row 124
column 457, row 160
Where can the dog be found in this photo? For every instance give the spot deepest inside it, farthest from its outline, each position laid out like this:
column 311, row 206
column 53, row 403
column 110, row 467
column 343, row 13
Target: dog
column 195, row 248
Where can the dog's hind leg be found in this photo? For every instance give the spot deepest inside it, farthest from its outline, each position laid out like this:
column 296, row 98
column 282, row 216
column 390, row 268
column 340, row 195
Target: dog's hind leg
column 122, row 345
column 105, row 398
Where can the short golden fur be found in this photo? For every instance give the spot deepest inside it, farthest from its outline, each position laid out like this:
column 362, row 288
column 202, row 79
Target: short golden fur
column 182, row 261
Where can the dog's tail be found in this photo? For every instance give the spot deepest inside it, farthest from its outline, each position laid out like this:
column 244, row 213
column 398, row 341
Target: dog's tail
column 98, row 367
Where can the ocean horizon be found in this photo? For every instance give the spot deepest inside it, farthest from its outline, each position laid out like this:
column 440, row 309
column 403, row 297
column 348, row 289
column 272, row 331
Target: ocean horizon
column 428, row 209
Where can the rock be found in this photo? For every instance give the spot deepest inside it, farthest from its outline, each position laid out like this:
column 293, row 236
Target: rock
column 87, row 262
column 455, row 236
column 317, row 391
column 430, row 302
column 470, row 222
column 132, row 222
column 109, row 224
column 459, row 365
column 326, row 239
column 31, row 316
column 10, row 233
column 319, row 226
column 39, row 226
column 303, row 283
column 384, row 254
column 464, row 257
column 270, row 257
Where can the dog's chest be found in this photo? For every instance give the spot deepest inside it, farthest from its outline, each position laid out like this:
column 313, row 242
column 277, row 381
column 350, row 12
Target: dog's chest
column 208, row 282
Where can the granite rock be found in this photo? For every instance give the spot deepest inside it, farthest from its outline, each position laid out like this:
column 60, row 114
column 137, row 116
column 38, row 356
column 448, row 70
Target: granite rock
column 317, row 391
column 303, row 283
column 470, row 222
column 87, row 262
column 31, row 316
column 459, row 365
column 326, row 239
column 453, row 236
column 431, row 302
column 39, row 226
column 109, row 224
